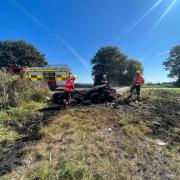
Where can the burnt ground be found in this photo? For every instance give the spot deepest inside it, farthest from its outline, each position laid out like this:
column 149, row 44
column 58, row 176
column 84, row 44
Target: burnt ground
column 119, row 140
column 161, row 114
column 10, row 152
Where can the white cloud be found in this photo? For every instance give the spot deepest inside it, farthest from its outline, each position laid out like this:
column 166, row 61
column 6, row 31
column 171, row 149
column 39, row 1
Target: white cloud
column 162, row 53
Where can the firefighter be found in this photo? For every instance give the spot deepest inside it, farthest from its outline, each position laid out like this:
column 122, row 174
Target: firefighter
column 104, row 79
column 68, row 88
column 137, row 82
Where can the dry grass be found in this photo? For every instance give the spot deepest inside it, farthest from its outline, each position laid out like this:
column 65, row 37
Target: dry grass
column 95, row 142
column 78, row 145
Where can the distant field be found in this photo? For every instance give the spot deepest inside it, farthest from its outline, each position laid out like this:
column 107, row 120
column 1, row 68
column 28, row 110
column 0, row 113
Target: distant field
column 162, row 89
column 159, row 86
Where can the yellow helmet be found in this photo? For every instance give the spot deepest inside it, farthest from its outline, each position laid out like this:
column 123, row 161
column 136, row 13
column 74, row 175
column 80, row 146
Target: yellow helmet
column 73, row 76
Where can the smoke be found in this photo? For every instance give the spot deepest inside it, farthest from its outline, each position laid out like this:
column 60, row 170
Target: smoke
column 50, row 32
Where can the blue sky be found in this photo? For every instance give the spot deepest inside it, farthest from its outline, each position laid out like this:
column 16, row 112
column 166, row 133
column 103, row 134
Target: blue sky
column 71, row 31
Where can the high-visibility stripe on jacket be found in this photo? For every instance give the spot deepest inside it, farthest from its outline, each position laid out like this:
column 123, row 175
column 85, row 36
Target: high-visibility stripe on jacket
column 138, row 80
column 69, row 85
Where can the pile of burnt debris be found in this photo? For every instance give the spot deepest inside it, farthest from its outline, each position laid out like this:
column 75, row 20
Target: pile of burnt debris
column 95, row 95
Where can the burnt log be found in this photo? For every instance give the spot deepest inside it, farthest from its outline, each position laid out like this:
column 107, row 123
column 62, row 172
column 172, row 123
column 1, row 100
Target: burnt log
column 97, row 94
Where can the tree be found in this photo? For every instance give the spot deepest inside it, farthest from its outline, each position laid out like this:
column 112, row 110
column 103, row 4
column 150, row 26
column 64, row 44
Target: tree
column 20, row 53
column 172, row 64
column 110, row 60
column 132, row 67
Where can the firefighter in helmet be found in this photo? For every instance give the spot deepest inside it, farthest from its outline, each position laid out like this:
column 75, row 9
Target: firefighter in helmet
column 138, row 81
column 69, row 88
column 104, row 80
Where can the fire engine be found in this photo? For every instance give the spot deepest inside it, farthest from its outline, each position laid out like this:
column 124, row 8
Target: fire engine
column 54, row 75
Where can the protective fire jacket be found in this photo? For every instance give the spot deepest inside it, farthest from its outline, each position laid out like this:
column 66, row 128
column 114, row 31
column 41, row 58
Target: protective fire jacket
column 69, row 85
column 138, row 80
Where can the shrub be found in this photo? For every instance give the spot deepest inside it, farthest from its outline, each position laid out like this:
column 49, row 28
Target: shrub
column 22, row 116
column 6, row 134
column 14, row 90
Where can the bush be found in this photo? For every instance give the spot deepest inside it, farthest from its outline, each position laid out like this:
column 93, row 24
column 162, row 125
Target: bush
column 19, row 122
column 14, row 90
column 22, row 116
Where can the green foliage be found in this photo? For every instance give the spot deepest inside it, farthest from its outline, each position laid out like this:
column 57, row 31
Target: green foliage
column 14, row 90
column 132, row 67
column 14, row 119
column 172, row 64
column 20, row 53
column 110, row 60
column 8, row 135
column 22, row 116
column 19, row 100
column 17, row 122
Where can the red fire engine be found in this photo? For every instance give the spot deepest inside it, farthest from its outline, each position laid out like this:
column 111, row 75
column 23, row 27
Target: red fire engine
column 54, row 75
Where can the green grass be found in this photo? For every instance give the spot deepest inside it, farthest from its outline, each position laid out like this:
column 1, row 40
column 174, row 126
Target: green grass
column 19, row 117
column 177, row 91
column 159, row 85
column 138, row 129
column 78, row 145
column 6, row 134
column 19, row 102
column 160, row 93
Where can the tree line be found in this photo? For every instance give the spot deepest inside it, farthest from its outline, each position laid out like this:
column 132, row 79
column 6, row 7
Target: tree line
column 20, row 53
column 119, row 69
column 108, row 60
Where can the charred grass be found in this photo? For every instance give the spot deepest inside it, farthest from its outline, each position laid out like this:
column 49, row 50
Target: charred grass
column 100, row 142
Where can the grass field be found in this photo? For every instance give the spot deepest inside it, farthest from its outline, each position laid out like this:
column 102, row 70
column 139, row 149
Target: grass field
column 100, row 142
column 159, row 85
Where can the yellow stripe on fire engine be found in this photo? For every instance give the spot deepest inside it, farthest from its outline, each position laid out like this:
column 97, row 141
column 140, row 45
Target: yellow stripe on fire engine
column 58, row 78
column 64, row 76
column 45, row 70
column 39, row 76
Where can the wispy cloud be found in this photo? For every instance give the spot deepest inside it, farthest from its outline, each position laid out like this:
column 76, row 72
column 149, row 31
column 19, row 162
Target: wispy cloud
column 144, row 16
column 162, row 53
column 142, row 58
column 153, row 55
column 163, row 15
column 50, row 32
